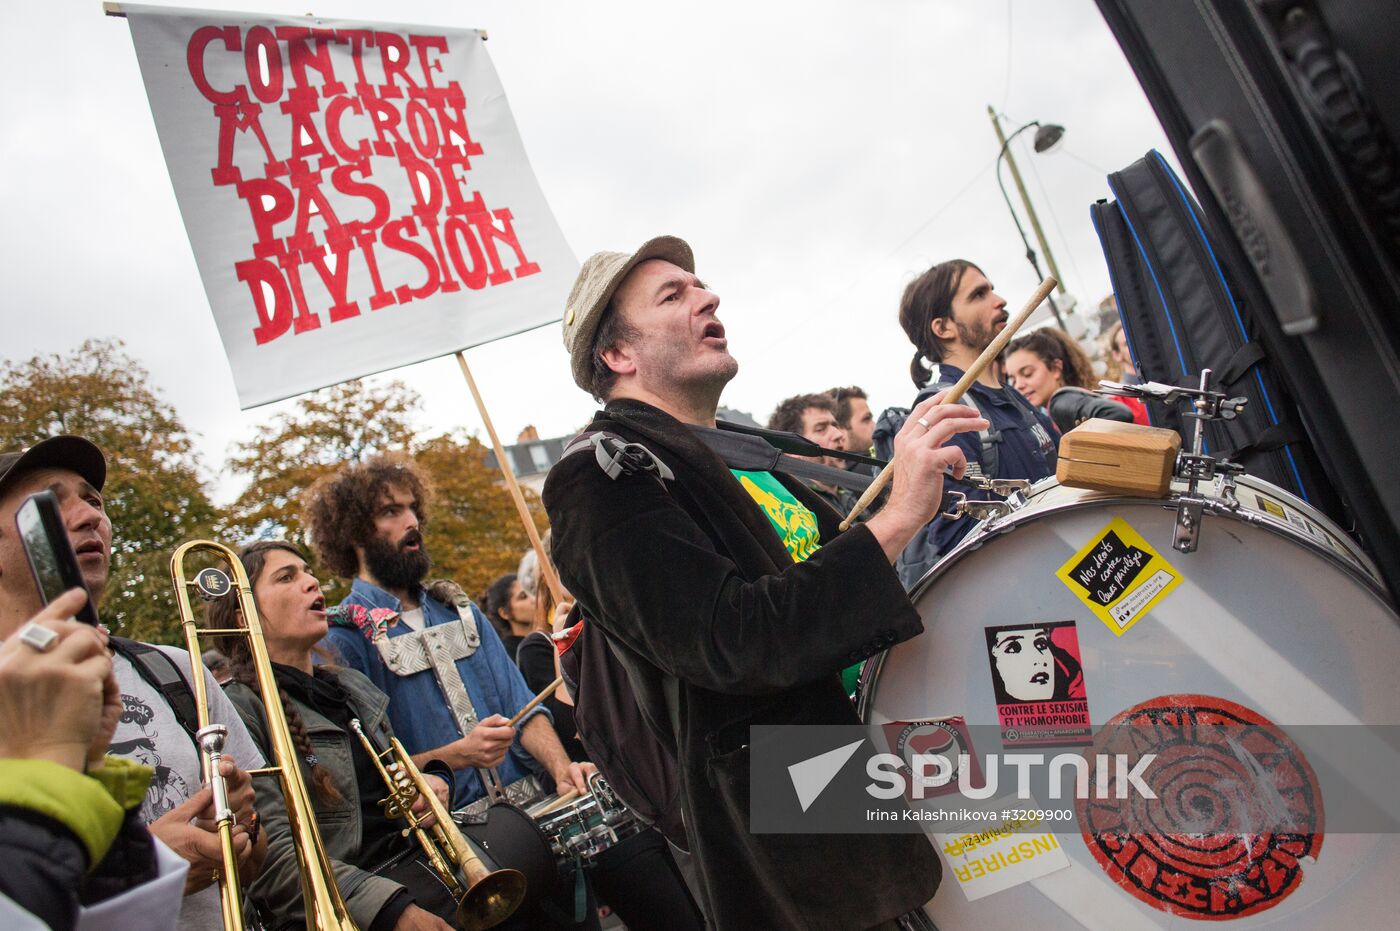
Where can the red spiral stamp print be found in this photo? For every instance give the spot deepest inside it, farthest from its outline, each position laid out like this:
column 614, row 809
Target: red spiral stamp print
column 1238, row 808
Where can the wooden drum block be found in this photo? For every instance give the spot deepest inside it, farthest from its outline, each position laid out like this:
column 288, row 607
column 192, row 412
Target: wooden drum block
column 1125, row 458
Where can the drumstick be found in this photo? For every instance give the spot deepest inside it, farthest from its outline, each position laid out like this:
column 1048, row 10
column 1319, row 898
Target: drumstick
column 554, row 805
column 547, row 691
column 958, row 390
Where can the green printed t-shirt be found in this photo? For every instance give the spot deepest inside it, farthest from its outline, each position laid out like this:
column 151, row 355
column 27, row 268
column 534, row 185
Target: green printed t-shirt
column 796, row 525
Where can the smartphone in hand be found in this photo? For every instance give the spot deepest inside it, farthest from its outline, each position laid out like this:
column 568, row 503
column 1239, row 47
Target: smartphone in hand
column 51, row 556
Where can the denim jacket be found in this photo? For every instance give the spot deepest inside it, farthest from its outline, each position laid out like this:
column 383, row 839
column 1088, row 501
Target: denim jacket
column 417, row 707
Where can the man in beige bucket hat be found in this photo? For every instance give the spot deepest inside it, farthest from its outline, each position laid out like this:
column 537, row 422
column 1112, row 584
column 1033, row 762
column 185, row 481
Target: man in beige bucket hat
column 690, row 572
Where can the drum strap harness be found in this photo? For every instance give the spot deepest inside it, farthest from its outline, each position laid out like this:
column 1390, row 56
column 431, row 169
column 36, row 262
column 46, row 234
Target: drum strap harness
column 748, row 451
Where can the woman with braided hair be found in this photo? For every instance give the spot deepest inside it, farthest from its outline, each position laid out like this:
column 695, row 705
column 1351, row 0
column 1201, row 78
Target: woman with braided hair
column 381, row 874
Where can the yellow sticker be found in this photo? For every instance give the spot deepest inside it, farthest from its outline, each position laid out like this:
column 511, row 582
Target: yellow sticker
column 1271, row 507
column 1119, row 576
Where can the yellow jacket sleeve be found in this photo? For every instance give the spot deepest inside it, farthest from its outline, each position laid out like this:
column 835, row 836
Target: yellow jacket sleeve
column 91, row 806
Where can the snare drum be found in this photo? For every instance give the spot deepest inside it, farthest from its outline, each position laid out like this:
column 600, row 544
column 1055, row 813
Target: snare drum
column 584, row 827
column 1275, row 617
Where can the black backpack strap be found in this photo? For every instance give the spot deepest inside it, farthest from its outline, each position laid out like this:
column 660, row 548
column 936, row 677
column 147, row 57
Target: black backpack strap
column 160, row 672
column 1240, row 362
column 1275, row 436
column 751, row 452
column 990, row 438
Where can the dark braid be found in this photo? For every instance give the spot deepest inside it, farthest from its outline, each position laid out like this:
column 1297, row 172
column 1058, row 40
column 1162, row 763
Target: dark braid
column 926, row 298
column 223, row 613
column 321, row 782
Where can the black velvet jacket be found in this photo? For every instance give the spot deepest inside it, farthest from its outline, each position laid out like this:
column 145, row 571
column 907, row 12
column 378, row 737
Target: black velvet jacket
column 699, row 597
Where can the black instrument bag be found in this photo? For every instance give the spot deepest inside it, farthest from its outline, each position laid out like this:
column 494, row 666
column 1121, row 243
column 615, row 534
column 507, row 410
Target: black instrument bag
column 1285, row 119
column 1180, row 315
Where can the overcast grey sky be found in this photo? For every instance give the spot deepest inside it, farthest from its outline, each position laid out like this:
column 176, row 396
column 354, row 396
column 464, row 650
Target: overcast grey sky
column 817, row 156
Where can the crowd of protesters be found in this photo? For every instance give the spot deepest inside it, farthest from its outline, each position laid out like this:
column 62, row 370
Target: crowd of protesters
column 673, row 624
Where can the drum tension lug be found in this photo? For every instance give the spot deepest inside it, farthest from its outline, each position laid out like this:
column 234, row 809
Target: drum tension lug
column 1006, row 487
column 1188, row 524
column 977, row 510
column 1012, row 489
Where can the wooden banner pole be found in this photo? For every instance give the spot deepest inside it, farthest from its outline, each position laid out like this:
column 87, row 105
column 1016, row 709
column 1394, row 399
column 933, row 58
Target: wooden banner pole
column 547, row 572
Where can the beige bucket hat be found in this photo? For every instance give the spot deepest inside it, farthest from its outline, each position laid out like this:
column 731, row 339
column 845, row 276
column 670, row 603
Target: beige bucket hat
column 595, row 286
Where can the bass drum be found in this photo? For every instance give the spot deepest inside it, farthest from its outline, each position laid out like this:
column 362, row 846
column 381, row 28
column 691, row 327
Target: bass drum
column 1277, row 617
column 509, row 838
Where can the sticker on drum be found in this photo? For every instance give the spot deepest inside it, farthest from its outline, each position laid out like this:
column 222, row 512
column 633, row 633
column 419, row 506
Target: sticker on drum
column 1300, row 522
column 1005, row 854
column 1119, row 576
column 944, row 737
column 1269, row 506
column 1217, row 765
column 1038, row 681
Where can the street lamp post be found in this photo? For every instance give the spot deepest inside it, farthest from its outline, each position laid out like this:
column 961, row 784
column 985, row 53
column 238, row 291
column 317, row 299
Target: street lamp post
column 1046, row 137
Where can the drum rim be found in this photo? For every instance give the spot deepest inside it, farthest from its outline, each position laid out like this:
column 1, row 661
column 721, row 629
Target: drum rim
column 580, row 811
column 994, row 527
column 1298, row 504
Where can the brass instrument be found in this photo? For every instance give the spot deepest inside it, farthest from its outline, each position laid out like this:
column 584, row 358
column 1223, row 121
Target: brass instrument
column 488, row 897
column 325, row 908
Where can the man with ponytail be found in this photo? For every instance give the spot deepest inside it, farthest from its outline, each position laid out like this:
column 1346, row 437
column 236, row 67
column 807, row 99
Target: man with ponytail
column 951, row 314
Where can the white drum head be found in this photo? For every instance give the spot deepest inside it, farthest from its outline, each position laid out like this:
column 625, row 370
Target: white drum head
column 1274, row 622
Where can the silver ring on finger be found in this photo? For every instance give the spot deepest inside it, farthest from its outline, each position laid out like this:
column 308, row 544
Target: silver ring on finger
column 924, row 423
column 38, row 636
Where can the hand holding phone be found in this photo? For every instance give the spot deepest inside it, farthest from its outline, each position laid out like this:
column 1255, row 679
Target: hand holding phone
column 62, row 703
column 51, row 556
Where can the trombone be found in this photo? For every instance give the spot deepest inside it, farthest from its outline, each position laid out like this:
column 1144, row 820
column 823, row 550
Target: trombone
column 489, row 897
column 325, row 908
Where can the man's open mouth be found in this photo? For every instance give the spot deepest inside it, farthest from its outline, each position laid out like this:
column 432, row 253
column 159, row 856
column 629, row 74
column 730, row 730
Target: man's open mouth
column 713, row 330
column 90, row 548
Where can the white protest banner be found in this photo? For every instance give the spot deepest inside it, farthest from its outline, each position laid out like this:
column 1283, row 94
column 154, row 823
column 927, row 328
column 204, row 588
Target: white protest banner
column 356, row 194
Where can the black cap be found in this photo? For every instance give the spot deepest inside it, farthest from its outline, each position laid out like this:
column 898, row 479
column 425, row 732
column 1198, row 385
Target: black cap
column 56, row 452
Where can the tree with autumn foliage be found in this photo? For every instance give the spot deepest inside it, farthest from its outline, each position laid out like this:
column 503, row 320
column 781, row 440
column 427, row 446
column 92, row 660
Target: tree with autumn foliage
column 349, row 422
column 474, row 533
column 154, row 494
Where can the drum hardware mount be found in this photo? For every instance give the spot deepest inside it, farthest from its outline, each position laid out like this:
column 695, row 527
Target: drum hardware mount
column 1012, row 491
column 613, row 808
column 1195, row 466
column 1208, row 404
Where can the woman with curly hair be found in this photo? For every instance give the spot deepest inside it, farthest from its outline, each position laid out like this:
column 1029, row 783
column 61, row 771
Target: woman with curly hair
column 1050, row 369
